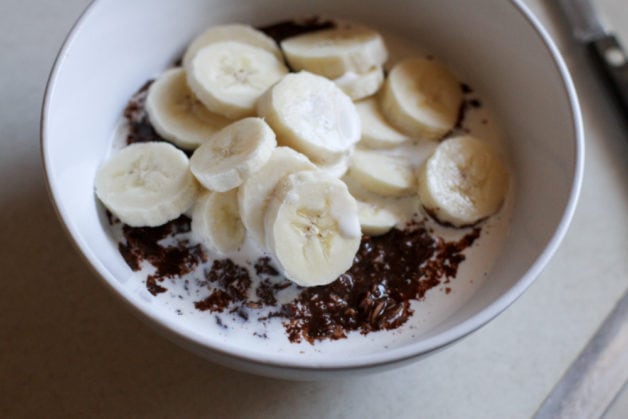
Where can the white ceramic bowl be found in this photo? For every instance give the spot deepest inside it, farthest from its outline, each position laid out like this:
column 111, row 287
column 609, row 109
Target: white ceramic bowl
column 499, row 47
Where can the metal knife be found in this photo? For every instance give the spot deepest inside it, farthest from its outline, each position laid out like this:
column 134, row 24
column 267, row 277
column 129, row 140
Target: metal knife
column 598, row 374
column 602, row 44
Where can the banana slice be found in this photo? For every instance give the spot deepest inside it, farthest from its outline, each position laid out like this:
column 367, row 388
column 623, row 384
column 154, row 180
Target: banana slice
column 334, row 52
column 232, row 32
column 312, row 227
column 339, row 167
column 422, row 98
column 360, row 85
column 256, row 191
column 177, row 115
column 383, row 174
column 463, row 182
column 313, row 116
column 146, row 184
column 229, row 76
column 216, row 221
column 227, row 159
column 376, row 220
column 376, row 130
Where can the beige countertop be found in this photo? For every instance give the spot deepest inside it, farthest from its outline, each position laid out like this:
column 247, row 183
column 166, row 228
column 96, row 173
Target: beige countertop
column 70, row 349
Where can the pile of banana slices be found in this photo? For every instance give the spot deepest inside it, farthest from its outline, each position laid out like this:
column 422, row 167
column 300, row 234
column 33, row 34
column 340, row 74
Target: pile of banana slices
column 273, row 148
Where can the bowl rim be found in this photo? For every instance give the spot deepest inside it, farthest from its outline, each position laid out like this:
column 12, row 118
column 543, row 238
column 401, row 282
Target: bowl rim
column 409, row 351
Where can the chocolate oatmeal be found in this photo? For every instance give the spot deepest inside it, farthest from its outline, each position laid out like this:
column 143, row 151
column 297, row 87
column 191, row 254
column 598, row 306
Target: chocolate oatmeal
column 389, row 272
column 389, row 275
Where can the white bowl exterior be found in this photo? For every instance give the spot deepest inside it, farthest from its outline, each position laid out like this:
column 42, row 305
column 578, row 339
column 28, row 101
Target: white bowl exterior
column 498, row 46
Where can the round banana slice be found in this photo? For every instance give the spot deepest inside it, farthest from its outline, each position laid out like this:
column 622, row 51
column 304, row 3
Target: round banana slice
column 146, row 184
column 256, row 191
column 463, row 182
column 360, row 85
column 312, row 115
column 339, row 167
column 376, row 130
column 177, row 115
column 333, row 52
column 229, row 76
column 216, row 221
column 228, row 158
column 232, row 32
column 383, row 174
column 376, row 220
column 312, row 228
column 422, row 98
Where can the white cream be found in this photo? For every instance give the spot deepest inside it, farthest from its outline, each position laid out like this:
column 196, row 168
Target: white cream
column 346, row 219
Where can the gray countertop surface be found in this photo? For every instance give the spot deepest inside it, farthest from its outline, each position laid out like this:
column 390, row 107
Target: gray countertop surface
column 70, row 349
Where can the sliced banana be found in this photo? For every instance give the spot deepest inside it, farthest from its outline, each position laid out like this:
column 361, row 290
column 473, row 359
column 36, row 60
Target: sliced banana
column 312, row 115
column 422, row 98
column 334, row 52
column 256, row 191
column 232, row 32
column 227, row 158
column 376, row 220
column 463, row 182
column 312, row 227
column 338, row 167
column 360, row 85
column 383, row 174
column 216, row 221
column 229, row 76
column 177, row 115
column 377, row 132
column 146, row 184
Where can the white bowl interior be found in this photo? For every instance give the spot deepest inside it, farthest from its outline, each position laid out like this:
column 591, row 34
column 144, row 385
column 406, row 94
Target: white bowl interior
column 117, row 46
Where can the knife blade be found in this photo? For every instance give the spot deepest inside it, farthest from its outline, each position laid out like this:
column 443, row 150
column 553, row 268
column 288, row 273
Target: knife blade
column 583, row 20
column 604, row 47
column 598, row 374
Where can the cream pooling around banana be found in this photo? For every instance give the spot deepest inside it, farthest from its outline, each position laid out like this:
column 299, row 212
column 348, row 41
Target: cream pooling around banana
column 349, row 226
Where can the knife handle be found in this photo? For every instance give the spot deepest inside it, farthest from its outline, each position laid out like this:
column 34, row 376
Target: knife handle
column 613, row 63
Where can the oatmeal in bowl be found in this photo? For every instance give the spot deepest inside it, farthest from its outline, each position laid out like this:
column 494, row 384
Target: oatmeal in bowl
column 303, row 194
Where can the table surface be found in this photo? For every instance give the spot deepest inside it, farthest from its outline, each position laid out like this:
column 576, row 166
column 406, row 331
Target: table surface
column 69, row 348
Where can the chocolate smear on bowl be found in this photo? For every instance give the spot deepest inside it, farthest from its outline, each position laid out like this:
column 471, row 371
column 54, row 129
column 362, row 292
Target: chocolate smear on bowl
column 466, row 105
column 140, row 128
column 289, row 28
